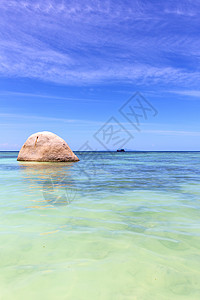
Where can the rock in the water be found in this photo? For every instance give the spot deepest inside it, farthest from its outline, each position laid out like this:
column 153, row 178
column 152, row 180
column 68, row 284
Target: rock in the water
column 46, row 146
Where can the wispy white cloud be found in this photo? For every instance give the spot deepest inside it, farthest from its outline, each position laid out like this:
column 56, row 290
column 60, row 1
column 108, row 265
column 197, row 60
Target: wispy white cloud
column 75, row 122
column 32, row 95
column 173, row 132
column 188, row 8
column 191, row 93
column 162, row 131
column 76, row 42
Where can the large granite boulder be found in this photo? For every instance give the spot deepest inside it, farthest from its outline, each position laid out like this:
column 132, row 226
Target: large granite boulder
column 47, row 147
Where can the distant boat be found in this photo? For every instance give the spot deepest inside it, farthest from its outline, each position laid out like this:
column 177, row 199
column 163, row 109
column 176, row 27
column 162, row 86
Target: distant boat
column 120, row 150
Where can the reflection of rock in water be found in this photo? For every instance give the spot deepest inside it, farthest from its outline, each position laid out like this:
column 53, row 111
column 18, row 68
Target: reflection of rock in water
column 52, row 179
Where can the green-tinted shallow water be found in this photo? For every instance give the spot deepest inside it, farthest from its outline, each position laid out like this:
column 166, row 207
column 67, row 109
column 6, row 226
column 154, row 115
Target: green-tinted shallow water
column 120, row 226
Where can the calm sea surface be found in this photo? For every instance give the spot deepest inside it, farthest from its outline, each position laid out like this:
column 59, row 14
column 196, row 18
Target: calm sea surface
column 112, row 226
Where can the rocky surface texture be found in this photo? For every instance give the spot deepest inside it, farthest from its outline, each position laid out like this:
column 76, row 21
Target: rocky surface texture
column 47, row 147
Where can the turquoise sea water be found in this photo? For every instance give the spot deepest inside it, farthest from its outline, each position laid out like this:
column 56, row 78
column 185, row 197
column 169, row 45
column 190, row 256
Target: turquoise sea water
column 112, row 226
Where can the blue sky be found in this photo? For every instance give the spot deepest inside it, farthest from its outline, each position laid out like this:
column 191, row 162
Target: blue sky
column 68, row 67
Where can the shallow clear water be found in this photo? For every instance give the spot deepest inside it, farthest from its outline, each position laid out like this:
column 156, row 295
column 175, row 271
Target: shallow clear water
column 112, row 226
